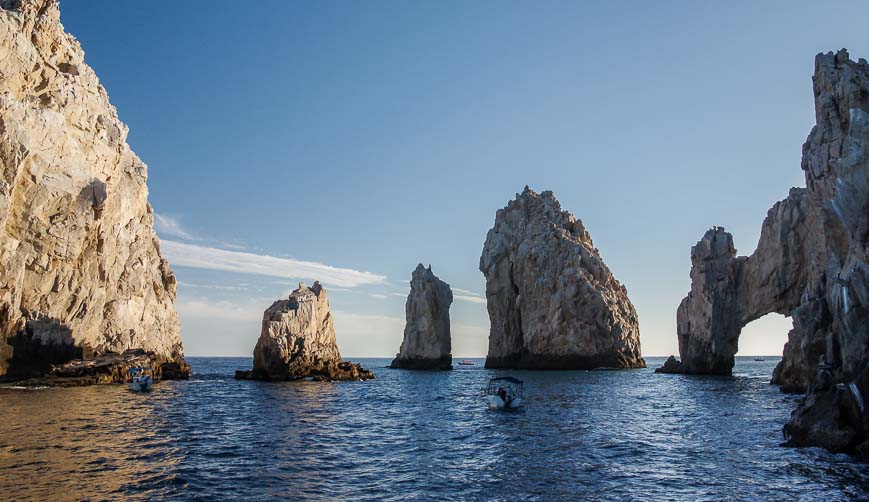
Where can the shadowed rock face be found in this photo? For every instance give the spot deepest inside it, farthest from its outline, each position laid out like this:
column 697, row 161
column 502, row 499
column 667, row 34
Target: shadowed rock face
column 80, row 268
column 811, row 263
column 298, row 341
column 427, row 344
column 553, row 303
column 728, row 292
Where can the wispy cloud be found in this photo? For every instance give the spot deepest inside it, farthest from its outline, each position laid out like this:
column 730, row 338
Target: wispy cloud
column 468, row 298
column 182, row 254
column 466, row 295
column 216, row 287
column 167, row 225
column 377, row 295
column 221, row 310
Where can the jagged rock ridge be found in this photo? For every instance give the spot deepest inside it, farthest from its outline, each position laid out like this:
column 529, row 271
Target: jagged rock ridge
column 427, row 344
column 80, row 267
column 811, row 264
column 552, row 302
column 298, row 341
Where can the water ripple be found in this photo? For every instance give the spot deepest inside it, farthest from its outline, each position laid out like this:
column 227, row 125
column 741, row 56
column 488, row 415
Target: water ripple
column 627, row 435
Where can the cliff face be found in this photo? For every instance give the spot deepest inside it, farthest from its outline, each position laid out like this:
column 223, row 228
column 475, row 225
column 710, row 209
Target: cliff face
column 811, row 264
column 427, row 344
column 298, row 341
column 80, row 266
column 553, row 303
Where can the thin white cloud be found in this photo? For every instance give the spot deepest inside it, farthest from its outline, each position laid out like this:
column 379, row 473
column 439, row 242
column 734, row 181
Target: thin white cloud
column 220, row 310
column 466, row 292
column 469, row 298
column 216, row 287
column 377, row 295
column 167, row 225
column 182, row 254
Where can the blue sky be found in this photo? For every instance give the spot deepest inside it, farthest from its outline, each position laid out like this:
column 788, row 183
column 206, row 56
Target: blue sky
column 348, row 141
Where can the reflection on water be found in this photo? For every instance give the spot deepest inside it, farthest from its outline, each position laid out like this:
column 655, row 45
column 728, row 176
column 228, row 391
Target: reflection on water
column 416, row 435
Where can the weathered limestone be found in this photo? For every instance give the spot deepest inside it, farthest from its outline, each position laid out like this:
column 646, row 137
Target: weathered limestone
column 811, row 263
column 427, row 344
column 80, row 268
column 298, row 341
column 553, row 303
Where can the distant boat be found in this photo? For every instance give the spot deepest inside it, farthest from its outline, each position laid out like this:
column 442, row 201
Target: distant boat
column 759, row 359
column 504, row 393
column 466, row 362
column 140, row 379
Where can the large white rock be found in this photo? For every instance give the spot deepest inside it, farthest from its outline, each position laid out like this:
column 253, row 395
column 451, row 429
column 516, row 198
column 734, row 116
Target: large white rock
column 553, row 303
column 80, row 266
column 427, row 344
column 298, row 341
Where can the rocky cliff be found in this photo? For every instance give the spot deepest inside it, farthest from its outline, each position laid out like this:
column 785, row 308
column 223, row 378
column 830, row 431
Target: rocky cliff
column 552, row 302
column 427, row 344
column 80, row 266
column 811, row 264
column 298, row 341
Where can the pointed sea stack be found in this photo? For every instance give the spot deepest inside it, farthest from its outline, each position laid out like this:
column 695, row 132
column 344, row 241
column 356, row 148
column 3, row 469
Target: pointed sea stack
column 427, row 344
column 553, row 303
column 81, row 274
column 298, row 341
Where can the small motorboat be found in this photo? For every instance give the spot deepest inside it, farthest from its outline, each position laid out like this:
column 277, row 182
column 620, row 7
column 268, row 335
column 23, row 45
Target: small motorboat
column 140, row 379
column 466, row 362
column 504, row 393
column 759, row 359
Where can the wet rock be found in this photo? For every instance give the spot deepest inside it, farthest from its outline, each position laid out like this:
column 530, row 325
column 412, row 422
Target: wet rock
column 105, row 369
column 552, row 301
column 427, row 344
column 671, row 365
column 81, row 273
column 298, row 341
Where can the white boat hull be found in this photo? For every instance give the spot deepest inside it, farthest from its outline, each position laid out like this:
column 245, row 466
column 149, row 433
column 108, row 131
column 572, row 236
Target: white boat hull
column 496, row 403
column 140, row 385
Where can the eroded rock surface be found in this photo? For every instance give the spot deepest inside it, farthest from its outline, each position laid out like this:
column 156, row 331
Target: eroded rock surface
column 552, row 302
column 298, row 341
column 427, row 344
column 811, row 264
column 81, row 273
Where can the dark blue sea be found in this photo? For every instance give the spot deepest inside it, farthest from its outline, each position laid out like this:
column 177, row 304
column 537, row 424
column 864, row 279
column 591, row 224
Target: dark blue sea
column 600, row 435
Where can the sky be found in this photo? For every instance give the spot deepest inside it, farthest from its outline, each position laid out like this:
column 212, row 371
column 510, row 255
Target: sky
column 346, row 142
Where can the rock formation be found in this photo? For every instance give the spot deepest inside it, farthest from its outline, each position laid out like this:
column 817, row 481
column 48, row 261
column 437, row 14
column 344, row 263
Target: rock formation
column 811, row 264
column 427, row 344
column 298, row 341
column 553, row 303
column 80, row 268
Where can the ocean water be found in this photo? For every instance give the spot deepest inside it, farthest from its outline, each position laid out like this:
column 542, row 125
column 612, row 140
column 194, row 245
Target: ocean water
column 607, row 435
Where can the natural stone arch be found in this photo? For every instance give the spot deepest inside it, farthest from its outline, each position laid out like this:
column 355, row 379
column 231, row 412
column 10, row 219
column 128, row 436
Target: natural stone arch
column 728, row 292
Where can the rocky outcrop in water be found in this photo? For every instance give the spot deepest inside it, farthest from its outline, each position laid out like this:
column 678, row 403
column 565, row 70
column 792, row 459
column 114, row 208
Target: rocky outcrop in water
column 811, row 264
column 298, row 341
column 552, row 302
column 427, row 344
column 80, row 268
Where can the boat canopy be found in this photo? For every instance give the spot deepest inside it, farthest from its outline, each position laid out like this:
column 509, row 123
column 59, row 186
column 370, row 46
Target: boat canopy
column 512, row 383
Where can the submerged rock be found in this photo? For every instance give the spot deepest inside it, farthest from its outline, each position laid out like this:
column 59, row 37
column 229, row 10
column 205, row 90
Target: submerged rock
column 81, row 273
column 427, row 343
column 811, row 264
column 552, row 302
column 298, row 341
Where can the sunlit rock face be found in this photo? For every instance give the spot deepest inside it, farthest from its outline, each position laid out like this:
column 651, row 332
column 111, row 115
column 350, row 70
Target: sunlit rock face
column 427, row 344
column 811, row 264
column 298, row 341
column 552, row 302
column 80, row 266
